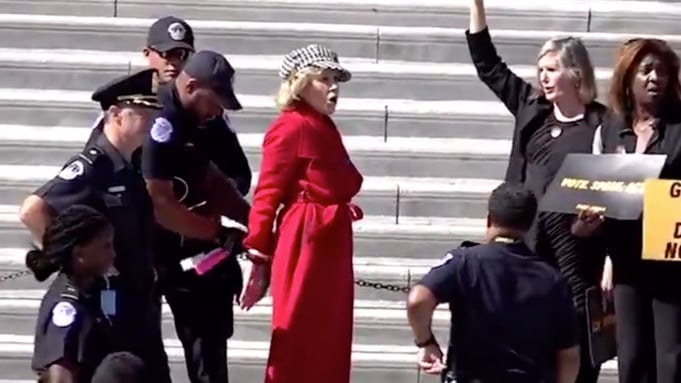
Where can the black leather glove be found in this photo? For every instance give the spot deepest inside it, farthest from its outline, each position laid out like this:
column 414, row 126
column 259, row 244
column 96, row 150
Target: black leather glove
column 229, row 238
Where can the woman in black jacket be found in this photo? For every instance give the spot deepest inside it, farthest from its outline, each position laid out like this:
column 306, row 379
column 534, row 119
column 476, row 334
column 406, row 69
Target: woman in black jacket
column 558, row 118
column 645, row 98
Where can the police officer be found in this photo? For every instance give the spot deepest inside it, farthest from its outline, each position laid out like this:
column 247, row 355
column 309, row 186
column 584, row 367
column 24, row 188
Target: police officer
column 170, row 43
column 106, row 176
column 513, row 320
column 73, row 331
column 182, row 180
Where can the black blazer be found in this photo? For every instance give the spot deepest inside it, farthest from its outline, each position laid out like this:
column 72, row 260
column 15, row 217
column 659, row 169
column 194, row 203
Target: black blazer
column 529, row 107
column 624, row 239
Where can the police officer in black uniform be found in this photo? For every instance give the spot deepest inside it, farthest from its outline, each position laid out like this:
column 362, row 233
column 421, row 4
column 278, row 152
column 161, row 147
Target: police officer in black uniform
column 190, row 194
column 106, row 176
column 73, row 331
column 513, row 320
column 170, row 43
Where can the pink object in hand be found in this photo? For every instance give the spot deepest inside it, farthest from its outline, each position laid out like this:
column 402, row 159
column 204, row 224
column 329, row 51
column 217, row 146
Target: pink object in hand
column 210, row 260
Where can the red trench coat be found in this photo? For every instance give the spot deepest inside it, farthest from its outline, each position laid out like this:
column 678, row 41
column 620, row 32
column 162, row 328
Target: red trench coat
column 306, row 168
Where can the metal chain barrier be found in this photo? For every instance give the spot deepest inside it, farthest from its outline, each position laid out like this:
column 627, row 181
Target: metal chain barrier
column 359, row 282
column 382, row 286
column 14, row 275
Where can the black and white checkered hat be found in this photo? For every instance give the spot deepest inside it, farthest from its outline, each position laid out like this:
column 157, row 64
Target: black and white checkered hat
column 313, row 56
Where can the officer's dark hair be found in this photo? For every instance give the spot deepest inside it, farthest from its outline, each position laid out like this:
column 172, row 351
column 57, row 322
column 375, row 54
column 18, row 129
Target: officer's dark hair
column 74, row 226
column 120, row 367
column 512, row 206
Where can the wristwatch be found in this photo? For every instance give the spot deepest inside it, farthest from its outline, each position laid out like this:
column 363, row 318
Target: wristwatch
column 429, row 342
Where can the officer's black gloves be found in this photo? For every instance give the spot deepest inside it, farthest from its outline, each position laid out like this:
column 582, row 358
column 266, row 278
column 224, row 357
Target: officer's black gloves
column 230, row 234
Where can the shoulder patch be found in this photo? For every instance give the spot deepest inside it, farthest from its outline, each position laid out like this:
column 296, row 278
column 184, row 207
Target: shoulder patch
column 72, row 170
column 63, row 314
column 448, row 257
column 161, row 130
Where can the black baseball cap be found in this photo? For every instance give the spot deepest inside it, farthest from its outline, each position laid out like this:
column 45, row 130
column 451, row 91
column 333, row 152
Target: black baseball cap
column 212, row 70
column 168, row 33
column 136, row 89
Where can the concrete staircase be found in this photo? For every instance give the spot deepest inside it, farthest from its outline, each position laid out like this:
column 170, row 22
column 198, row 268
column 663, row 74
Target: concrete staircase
column 430, row 138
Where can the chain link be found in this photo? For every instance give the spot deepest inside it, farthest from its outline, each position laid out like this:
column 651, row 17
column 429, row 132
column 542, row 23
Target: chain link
column 382, row 286
column 14, row 275
column 244, row 257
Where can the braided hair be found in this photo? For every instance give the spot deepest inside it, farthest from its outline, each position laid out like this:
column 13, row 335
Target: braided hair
column 74, row 226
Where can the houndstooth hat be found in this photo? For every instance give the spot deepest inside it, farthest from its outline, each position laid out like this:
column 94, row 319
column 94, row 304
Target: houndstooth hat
column 312, row 55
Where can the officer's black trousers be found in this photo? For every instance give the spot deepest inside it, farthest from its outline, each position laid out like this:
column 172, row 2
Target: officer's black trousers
column 140, row 330
column 587, row 372
column 648, row 335
column 204, row 319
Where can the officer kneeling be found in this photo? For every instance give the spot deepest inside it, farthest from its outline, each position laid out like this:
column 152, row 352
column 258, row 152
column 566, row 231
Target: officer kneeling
column 513, row 320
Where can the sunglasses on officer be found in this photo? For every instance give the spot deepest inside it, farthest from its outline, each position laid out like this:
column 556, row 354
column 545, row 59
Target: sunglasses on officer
column 173, row 54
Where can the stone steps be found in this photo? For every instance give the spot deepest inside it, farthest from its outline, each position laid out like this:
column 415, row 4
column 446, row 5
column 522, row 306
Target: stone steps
column 382, row 117
column 379, row 236
column 396, row 196
column 575, row 15
column 251, row 37
column 257, row 74
column 399, row 156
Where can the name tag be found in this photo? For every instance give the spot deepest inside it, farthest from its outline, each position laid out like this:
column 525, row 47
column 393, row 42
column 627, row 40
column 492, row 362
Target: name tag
column 107, row 301
column 116, row 189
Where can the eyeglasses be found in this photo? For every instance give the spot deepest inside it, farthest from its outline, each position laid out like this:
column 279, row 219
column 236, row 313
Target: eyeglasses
column 174, row 54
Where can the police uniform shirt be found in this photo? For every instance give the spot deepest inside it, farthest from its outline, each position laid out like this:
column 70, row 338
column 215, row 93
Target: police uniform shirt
column 101, row 178
column 71, row 329
column 169, row 151
column 511, row 311
column 218, row 140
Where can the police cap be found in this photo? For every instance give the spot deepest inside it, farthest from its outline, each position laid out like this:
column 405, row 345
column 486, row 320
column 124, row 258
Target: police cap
column 212, row 70
column 168, row 33
column 136, row 89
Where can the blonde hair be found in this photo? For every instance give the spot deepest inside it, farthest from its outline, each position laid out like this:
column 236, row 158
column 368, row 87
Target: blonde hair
column 573, row 56
column 289, row 91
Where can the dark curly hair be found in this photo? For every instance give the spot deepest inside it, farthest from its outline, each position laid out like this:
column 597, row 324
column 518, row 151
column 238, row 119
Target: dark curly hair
column 74, row 226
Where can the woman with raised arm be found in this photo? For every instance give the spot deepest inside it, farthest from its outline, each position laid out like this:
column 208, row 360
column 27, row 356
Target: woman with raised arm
column 558, row 117
column 645, row 98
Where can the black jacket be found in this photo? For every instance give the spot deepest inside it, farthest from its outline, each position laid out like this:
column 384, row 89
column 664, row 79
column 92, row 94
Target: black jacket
column 525, row 103
column 624, row 238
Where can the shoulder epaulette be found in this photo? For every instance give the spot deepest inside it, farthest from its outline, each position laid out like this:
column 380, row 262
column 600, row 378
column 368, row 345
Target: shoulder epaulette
column 91, row 155
column 70, row 292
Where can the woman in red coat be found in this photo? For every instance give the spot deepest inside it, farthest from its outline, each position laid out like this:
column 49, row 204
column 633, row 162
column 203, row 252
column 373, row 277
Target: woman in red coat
column 307, row 245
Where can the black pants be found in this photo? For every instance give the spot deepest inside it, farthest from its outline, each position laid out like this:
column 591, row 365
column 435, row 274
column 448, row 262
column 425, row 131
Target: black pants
column 648, row 335
column 588, row 373
column 139, row 328
column 202, row 307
